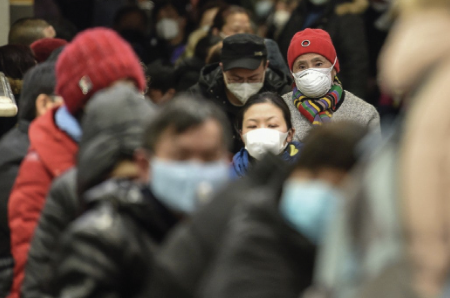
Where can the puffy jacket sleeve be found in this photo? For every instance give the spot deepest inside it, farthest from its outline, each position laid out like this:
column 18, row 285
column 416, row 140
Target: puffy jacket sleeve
column 87, row 262
column 60, row 209
column 24, row 208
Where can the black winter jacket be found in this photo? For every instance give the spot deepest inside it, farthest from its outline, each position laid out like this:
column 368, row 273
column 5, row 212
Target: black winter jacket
column 212, row 87
column 107, row 252
column 185, row 258
column 348, row 35
column 13, row 148
column 261, row 256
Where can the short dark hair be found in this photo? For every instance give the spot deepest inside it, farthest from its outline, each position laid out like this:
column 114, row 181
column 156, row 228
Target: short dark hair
column 25, row 31
column 15, row 60
column 223, row 13
column 265, row 97
column 161, row 77
column 332, row 145
column 182, row 113
column 128, row 9
column 38, row 80
column 178, row 5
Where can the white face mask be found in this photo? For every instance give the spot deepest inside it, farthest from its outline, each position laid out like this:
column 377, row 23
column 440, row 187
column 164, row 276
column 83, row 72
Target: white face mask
column 314, row 82
column 318, row 2
column 167, row 28
column 280, row 18
column 262, row 140
column 243, row 91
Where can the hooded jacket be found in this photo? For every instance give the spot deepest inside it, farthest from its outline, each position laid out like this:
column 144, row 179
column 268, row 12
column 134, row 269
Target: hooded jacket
column 343, row 21
column 51, row 153
column 211, row 85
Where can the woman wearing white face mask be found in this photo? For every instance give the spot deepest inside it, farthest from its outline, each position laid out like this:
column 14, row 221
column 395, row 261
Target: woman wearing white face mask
column 318, row 96
column 264, row 124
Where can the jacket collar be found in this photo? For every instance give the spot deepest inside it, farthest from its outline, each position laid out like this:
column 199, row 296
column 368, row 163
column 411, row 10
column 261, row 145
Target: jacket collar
column 55, row 149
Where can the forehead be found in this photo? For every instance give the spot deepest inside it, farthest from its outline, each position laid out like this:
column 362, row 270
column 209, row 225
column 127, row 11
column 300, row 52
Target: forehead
column 203, row 137
column 167, row 11
column 237, row 18
column 263, row 110
column 309, row 57
column 242, row 72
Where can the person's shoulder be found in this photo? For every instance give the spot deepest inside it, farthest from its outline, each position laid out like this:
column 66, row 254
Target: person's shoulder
column 287, row 97
column 354, row 101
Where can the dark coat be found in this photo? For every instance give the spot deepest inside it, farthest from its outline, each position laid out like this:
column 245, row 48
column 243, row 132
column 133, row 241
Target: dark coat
column 261, row 256
column 107, row 252
column 211, row 86
column 348, row 35
column 186, row 256
column 13, row 148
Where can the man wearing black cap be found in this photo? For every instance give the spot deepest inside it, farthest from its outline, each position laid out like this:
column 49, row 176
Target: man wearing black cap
column 242, row 72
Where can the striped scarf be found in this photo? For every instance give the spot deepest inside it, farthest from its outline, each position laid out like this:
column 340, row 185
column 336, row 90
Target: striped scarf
column 319, row 110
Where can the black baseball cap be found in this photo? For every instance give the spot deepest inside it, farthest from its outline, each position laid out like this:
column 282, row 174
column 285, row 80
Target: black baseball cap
column 243, row 51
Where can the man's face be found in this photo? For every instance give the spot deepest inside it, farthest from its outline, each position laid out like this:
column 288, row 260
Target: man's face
column 203, row 143
column 311, row 60
column 242, row 75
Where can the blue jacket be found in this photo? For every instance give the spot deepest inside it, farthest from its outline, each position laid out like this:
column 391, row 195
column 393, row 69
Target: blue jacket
column 242, row 160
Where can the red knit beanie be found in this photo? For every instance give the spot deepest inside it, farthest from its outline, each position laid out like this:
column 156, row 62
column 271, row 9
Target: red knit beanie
column 312, row 41
column 94, row 60
column 42, row 48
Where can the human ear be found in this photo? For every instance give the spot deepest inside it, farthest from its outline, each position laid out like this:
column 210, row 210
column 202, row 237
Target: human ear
column 290, row 136
column 142, row 160
column 43, row 103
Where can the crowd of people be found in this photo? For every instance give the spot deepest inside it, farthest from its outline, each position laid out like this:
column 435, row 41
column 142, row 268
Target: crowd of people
column 227, row 149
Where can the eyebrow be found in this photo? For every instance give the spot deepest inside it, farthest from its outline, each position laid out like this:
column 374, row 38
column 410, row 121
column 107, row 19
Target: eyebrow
column 256, row 120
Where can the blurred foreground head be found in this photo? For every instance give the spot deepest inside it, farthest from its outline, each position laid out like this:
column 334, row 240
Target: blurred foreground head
column 94, row 60
column 112, row 127
column 186, row 152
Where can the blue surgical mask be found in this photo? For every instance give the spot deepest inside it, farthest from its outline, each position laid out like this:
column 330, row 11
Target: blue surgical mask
column 183, row 186
column 308, row 206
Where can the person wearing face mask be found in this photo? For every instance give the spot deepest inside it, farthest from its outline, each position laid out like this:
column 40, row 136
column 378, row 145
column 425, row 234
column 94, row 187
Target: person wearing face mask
column 265, row 125
column 270, row 246
column 134, row 199
column 170, row 31
column 318, row 96
column 243, row 71
column 342, row 19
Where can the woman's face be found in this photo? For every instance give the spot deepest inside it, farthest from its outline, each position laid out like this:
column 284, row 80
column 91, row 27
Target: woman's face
column 264, row 115
column 236, row 23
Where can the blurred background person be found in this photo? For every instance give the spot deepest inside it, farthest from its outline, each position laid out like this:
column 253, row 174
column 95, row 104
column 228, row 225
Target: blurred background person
column 170, row 31
column 36, row 98
column 318, row 96
column 243, row 71
column 231, row 20
column 43, row 48
column 27, row 30
column 344, row 23
column 132, row 23
column 264, row 123
column 162, row 82
column 15, row 61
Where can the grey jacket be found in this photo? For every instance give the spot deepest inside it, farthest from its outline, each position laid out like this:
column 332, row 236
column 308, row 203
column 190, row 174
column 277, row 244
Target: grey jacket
column 352, row 109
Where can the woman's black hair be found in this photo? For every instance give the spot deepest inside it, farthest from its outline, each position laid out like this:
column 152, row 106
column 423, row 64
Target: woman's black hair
column 265, row 97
